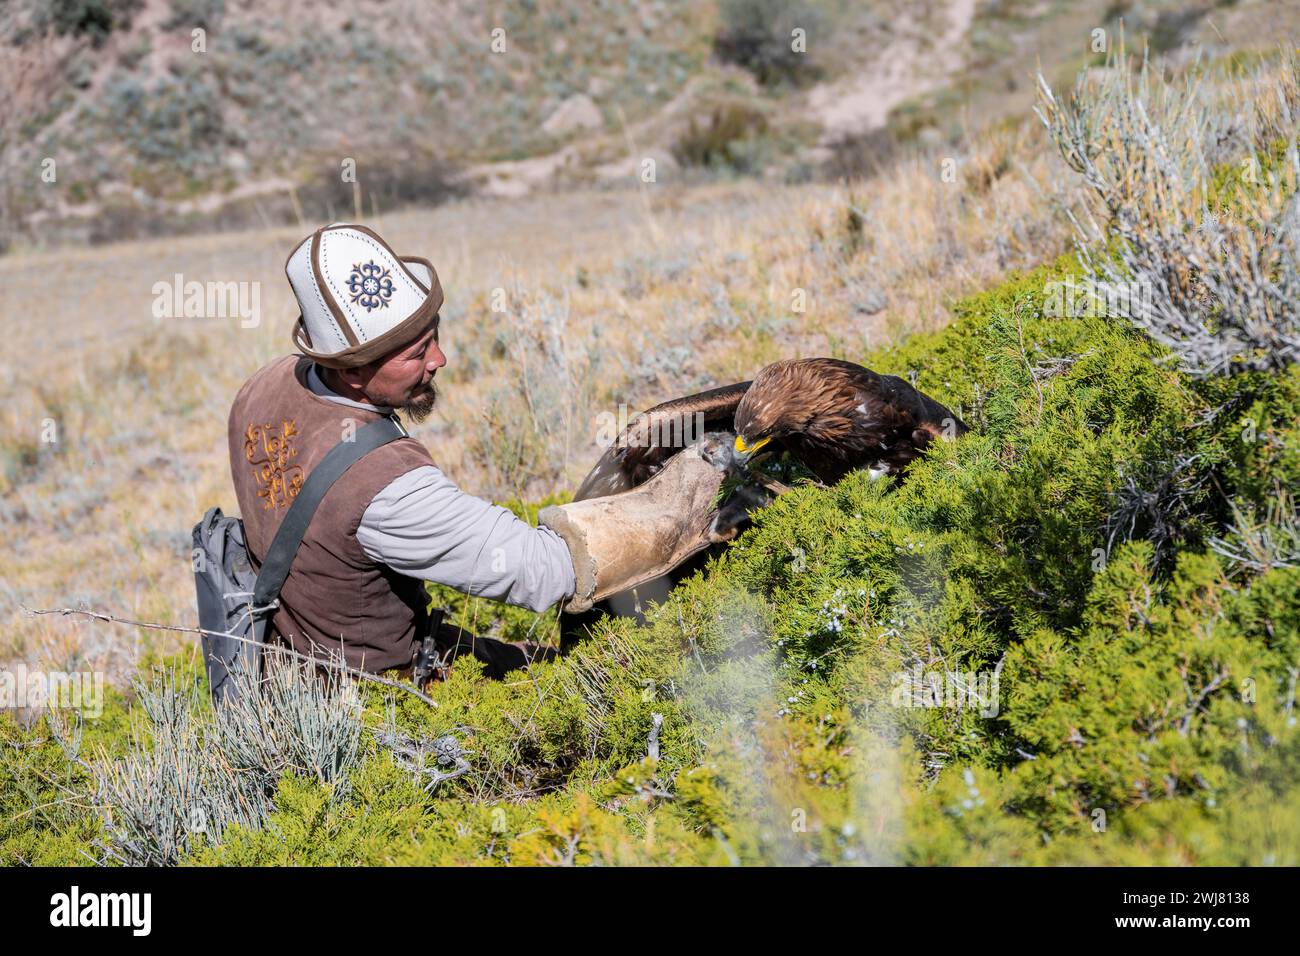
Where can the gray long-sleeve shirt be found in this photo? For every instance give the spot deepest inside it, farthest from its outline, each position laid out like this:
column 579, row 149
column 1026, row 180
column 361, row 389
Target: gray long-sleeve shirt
column 423, row 526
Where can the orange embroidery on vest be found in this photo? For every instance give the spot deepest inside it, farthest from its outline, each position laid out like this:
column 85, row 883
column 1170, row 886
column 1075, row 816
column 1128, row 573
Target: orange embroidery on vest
column 269, row 451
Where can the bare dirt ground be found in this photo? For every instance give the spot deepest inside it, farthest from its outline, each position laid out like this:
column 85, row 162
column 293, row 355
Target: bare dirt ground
column 923, row 50
column 916, row 59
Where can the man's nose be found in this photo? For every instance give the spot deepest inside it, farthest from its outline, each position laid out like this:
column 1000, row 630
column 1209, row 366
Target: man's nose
column 435, row 360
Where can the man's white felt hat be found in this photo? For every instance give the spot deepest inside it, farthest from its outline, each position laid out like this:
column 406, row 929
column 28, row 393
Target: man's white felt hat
column 358, row 299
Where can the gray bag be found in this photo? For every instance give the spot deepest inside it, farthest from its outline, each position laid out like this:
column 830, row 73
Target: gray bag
column 236, row 603
column 224, row 580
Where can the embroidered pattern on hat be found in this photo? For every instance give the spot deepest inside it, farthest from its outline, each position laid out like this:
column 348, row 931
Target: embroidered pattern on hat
column 370, row 285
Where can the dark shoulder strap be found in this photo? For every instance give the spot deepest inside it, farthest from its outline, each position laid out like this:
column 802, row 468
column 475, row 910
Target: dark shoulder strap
column 275, row 568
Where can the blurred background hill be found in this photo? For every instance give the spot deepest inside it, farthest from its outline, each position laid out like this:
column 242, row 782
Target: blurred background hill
column 156, row 130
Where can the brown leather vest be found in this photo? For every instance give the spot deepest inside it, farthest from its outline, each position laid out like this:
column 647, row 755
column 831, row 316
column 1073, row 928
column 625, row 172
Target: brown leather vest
column 335, row 595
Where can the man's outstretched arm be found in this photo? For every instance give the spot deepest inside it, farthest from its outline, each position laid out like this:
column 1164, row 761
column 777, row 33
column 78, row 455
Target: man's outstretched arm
column 423, row 526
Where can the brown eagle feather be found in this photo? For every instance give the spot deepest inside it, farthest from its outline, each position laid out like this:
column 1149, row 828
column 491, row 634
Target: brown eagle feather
column 640, row 451
column 836, row 417
column 833, row 416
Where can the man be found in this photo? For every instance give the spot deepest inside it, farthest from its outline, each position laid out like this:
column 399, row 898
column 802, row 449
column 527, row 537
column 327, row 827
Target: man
column 368, row 334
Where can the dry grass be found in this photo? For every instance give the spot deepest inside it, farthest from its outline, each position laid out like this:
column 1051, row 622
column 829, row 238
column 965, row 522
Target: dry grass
column 191, row 773
column 1203, row 228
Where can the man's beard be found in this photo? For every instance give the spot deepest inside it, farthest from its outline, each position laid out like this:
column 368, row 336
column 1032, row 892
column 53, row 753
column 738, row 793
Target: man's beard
column 419, row 406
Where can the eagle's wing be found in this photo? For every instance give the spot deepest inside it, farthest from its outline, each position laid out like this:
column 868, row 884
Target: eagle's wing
column 910, row 408
column 656, row 435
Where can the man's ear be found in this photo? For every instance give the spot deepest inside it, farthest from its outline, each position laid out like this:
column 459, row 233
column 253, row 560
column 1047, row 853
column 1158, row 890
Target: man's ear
column 358, row 376
column 355, row 377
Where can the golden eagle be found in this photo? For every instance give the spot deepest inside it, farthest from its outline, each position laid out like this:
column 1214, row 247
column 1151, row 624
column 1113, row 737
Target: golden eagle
column 831, row 416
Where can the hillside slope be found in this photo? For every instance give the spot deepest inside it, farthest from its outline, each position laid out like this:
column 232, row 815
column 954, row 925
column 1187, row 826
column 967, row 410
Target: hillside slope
column 271, row 112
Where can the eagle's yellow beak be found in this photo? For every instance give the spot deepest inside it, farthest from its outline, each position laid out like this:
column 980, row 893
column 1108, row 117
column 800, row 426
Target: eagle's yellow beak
column 750, row 449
